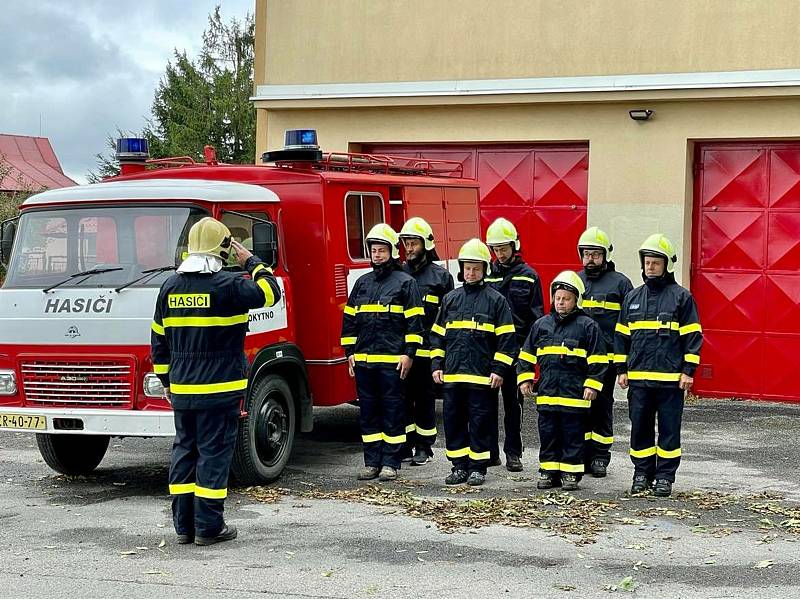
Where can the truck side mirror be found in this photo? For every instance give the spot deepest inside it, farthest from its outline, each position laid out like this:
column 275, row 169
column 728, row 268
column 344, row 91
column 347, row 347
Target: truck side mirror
column 7, row 232
column 265, row 243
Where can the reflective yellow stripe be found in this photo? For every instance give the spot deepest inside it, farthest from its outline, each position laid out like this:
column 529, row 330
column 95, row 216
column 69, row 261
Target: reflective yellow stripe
column 457, row 453
column 269, row 296
column 691, row 328
column 410, row 428
column 426, row 432
column 411, row 338
column 350, row 310
column 157, row 328
column 181, row 489
column 525, row 376
column 521, row 278
column 621, row 328
column 501, row 357
column 201, row 389
column 549, row 465
column 423, row 353
column 474, row 455
column 258, row 268
column 493, row 279
column 504, row 329
column 161, row 368
column 379, row 308
column 530, row 358
column 590, row 303
column 573, row 468
column 419, row 311
column 372, row 438
column 560, row 350
column 377, row 358
column 466, row 378
column 620, row 358
column 431, row 299
column 437, row 353
column 587, row 436
column 664, row 453
column 438, row 330
column 210, row 493
column 204, row 321
column 597, row 359
column 643, row 453
column 639, row 375
column 472, row 325
column 598, row 438
column 568, row 402
column 593, row 384
column 393, row 440
column 691, row 358
column 348, row 340
column 652, row 325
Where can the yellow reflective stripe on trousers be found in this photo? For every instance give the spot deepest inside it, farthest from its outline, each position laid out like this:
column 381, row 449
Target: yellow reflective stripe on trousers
column 157, row 328
column 431, row 299
column 419, row 311
column 478, row 456
column 593, row 384
column 457, row 453
column 590, row 303
column 597, row 359
column 181, row 489
column 204, row 321
column 598, row 438
column 466, row 378
column 371, row 438
column 560, row 350
column 652, row 325
column 411, row 338
column 643, row 453
column 161, row 368
column 426, row 432
column 525, row 376
column 572, row 468
column 206, row 493
column 505, row 329
column 667, row 377
column 203, row 388
column 621, row 328
column 350, row 311
column 667, row 454
column 505, row 359
column 530, row 358
column 348, row 340
column 522, row 278
column 691, row 358
column 269, row 296
column 549, row 466
column 374, row 437
column 691, row 328
column 377, row 358
column 567, row 402
column 471, row 325
column 410, row 428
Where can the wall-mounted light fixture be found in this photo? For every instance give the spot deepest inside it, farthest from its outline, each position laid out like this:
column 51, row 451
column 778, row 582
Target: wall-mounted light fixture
column 640, row 114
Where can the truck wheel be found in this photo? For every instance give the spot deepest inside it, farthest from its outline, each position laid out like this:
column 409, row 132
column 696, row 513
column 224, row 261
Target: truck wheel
column 266, row 434
column 72, row 454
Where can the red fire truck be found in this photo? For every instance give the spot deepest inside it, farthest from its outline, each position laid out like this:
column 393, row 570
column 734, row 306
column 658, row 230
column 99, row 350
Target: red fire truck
column 85, row 264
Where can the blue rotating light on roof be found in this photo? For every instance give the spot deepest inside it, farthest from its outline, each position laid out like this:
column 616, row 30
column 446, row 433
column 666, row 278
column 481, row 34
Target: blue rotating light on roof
column 132, row 148
column 300, row 139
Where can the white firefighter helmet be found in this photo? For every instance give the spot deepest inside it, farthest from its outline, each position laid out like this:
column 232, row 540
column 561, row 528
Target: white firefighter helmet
column 383, row 233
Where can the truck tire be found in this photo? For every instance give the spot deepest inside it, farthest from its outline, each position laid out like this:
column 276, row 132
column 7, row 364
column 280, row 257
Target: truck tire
column 266, row 434
column 72, row 454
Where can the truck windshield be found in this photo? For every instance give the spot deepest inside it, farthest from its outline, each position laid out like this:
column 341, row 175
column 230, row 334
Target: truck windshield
column 52, row 244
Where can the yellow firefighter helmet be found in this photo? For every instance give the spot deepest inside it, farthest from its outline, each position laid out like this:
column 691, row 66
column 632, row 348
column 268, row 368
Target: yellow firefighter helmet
column 476, row 251
column 418, row 227
column 383, row 233
column 502, row 231
column 594, row 238
column 570, row 281
column 209, row 236
column 659, row 245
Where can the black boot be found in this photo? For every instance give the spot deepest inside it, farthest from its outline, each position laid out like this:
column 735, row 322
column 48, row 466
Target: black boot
column 456, row 477
column 598, row 468
column 640, row 484
column 227, row 533
column 513, row 463
column 662, row 488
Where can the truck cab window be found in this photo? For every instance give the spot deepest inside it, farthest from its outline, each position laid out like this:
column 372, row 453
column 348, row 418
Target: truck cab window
column 362, row 212
column 241, row 230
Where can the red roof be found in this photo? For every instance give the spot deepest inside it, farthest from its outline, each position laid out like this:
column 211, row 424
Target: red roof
column 33, row 164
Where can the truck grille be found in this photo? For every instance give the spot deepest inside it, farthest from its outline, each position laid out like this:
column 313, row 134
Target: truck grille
column 78, row 383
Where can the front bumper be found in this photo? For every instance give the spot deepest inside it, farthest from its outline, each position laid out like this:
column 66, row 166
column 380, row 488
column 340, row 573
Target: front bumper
column 116, row 423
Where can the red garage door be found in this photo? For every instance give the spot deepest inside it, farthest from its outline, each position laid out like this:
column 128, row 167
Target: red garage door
column 746, row 269
column 542, row 189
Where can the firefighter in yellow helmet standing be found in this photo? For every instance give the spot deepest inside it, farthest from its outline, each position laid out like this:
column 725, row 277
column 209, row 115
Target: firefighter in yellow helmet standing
column 605, row 288
column 197, row 347
column 381, row 333
column 657, row 350
column 474, row 345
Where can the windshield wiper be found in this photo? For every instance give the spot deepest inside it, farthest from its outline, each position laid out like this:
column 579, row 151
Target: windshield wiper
column 86, row 273
column 150, row 272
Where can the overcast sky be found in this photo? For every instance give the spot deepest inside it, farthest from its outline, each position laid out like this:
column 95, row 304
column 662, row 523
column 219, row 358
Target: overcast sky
column 87, row 67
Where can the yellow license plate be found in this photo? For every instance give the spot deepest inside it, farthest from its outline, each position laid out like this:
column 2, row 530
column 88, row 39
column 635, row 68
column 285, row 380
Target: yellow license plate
column 28, row 421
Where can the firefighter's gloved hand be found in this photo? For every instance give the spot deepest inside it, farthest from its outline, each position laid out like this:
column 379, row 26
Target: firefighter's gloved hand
column 685, row 382
column 496, row 381
column 242, row 253
column 622, row 380
column 589, row 394
column 437, row 377
column 351, row 364
column 404, row 366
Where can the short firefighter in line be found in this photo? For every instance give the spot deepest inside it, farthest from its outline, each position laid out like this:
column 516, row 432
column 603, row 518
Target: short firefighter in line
column 569, row 349
column 519, row 283
column 382, row 330
column 197, row 347
column 657, row 350
column 602, row 301
column 434, row 282
column 473, row 345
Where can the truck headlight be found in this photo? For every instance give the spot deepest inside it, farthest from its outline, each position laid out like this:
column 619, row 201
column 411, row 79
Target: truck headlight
column 152, row 386
column 8, row 382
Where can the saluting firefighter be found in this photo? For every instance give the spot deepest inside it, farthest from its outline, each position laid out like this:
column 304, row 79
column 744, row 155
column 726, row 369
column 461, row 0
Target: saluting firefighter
column 602, row 301
column 473, row 347
column 197, row 347
column 381, row 333
column 569, row 349
column 433, row 282
column 519, row 283
column 657, row 350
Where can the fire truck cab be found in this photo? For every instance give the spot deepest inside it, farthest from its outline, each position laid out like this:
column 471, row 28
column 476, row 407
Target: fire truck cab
column 85, row 265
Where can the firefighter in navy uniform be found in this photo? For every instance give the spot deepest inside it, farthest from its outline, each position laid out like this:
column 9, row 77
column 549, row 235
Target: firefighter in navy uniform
column 433, row 282
column 197, row 347
column 381, row 333
column 657, row 350
column 568, row 346
column 519, row 283
column 602, row 301
column 473, row 346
